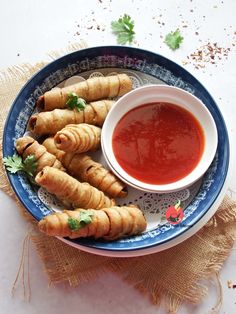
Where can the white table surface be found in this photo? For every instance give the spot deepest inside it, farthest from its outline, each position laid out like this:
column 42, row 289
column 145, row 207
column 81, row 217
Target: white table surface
column 28, row 31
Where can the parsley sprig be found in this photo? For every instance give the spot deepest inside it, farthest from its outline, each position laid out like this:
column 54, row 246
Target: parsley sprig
column 15, row 163
column 74, row 101
column 85, row 218
column 174, row 39
column 123, row 29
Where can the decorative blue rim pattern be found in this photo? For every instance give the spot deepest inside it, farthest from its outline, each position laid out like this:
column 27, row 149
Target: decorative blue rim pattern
column 131, row 59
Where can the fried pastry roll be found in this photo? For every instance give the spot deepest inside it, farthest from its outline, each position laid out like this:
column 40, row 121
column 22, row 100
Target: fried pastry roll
column 78, row 138
column 26, row 146
column 67, row 188
column 91, row 89
column 86, row 169
column 50, row 122
column 109, row 223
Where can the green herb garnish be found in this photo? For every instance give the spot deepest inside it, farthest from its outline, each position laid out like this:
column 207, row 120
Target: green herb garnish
column 74, row 101
column 15, row 163
column 123, row 29
column 73, row 223
column 85, row 218
column 174, row 219
column 174, row 39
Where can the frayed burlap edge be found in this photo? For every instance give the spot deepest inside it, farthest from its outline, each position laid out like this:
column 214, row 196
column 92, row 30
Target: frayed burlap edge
column 129, row 270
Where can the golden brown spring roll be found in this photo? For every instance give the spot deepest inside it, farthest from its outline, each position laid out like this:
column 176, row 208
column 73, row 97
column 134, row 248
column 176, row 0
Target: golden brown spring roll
column 50, row 122
column 67, row 188
column 78, row 138
column 26, row 146
column 86, row 169
column 91, row 89
column 105, row 223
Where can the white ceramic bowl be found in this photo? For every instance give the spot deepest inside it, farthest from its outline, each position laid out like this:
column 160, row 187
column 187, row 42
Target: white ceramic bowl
column 169, row 94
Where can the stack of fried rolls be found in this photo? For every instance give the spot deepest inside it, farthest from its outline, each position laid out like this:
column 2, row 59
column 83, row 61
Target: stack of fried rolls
column 84, row 168
column 65, row 169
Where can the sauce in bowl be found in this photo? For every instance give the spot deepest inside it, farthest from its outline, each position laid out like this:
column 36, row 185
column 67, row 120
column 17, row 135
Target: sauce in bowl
column 158, row 143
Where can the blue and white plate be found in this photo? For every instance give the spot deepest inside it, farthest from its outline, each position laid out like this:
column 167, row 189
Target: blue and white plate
column 144, row 67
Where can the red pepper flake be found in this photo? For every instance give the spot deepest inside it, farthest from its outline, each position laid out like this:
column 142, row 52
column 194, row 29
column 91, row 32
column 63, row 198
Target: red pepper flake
column 209, row 53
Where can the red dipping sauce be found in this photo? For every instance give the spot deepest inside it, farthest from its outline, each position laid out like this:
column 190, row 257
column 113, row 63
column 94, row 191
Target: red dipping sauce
column 158, row 143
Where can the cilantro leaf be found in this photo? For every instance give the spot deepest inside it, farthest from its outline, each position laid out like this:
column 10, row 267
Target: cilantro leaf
column 73, row 223
column 15, row 163
column 85, row 218
column 74, row 101
column 123, row 29
column 30, row 165
column 174, row 39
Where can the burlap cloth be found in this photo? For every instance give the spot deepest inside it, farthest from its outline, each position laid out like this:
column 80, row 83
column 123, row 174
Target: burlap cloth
column 173, row 276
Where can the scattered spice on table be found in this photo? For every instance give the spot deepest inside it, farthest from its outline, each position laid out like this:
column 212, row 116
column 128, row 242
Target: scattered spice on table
column 209, row 53
column 91, row 25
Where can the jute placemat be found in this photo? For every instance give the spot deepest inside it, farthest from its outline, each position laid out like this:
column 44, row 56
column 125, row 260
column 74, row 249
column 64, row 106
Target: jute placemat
column 173, row 276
